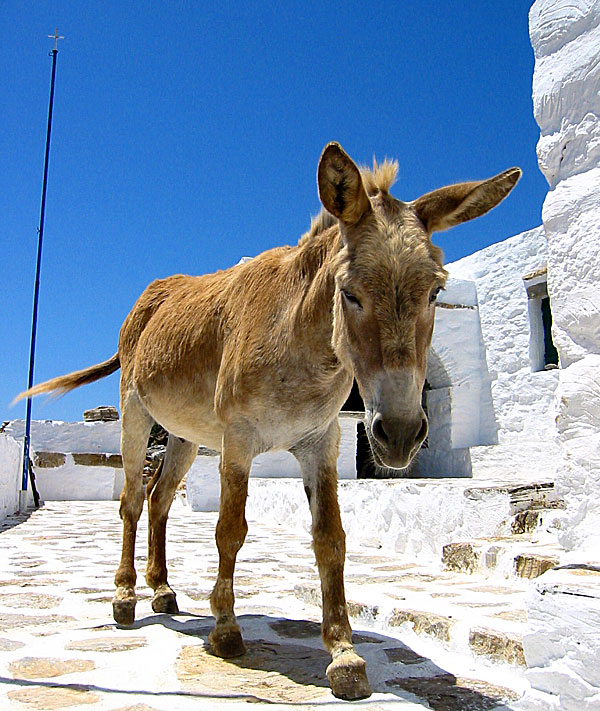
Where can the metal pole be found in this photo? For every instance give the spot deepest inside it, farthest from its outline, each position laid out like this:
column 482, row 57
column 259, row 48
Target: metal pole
column 27, row 475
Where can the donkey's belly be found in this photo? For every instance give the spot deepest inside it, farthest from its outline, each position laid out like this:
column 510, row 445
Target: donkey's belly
column 280, row 429
column 194, row 421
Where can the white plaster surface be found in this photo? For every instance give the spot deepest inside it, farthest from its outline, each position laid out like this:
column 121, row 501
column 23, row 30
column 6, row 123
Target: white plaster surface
column 571, row 215
column 566, row 89
column 403, row 517
column 578, row 422
column 76, row 482
column 457, row 360
column 10, row 475
column 561, row 643
column 498, row 272
column 57, row 436
column 517, row 405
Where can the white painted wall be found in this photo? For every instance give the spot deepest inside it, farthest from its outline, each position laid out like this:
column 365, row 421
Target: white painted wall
column 57, row 436
column 10, row 475
column 522, row 412
column 77, row 482
column 203, row 486
column 566, row 94
column 562, row 644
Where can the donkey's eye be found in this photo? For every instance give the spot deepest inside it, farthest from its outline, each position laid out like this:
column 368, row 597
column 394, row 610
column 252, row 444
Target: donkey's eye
column 351, row 299
column 434, row 294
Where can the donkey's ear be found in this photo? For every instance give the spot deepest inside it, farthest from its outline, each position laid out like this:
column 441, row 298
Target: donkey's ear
column 458, row 203
column 341, row 188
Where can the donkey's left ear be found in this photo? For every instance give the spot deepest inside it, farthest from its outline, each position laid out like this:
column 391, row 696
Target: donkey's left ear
column 341, row 187
column 458, row 203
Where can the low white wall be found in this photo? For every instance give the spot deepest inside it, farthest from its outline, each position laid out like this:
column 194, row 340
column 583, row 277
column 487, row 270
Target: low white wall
column 402, row 516
column 78, row 482
column 57, row 436
column 10, row 475
column 203, row 480
column 64, row 479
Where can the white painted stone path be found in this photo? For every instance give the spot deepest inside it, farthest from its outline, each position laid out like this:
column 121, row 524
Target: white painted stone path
column 59, row 647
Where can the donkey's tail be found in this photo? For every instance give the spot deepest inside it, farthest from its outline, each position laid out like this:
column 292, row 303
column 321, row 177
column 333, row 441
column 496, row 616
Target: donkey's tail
column 65, row 383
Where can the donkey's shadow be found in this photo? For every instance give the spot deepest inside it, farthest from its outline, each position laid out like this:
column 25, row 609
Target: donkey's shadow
column 285, row 663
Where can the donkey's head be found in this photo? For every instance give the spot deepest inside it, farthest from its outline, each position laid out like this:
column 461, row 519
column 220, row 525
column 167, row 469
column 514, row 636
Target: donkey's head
column 388, row 275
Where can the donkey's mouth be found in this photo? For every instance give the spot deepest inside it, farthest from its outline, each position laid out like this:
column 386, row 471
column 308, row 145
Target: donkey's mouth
column 397, row 454
column 386, row 460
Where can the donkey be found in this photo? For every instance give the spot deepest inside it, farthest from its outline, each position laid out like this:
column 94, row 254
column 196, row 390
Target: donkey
column 262, row 356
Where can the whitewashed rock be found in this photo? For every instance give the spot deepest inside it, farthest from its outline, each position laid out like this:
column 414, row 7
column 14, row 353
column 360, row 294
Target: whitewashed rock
column 561, row 643
column 566, row 91
column 578, row 422
column 565, row 36
column 571, row 215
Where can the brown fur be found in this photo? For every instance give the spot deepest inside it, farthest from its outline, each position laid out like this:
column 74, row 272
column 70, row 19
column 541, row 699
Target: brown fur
column 262, row 356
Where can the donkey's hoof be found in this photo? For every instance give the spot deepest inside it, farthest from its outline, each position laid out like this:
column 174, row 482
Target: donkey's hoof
column 347, row 676
column 227, row 644
column 165, row 601
column 124, row 611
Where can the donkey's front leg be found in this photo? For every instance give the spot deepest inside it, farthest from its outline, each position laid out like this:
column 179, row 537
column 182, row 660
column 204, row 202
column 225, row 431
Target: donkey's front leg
column 226, row 638
column 347, row 672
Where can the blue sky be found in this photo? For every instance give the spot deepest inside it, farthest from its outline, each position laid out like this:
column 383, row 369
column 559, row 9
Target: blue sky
column 187, row 135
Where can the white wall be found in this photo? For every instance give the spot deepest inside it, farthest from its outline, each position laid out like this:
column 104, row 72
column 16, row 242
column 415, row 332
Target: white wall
column 562, row 641
column 57, row 436
column 203, row 485
column 78, row 482
column 522, row 400
column 566, row 96
column 10, row 475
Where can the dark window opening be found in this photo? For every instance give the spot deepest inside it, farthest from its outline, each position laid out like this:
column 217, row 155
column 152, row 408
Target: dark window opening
column 550, row 352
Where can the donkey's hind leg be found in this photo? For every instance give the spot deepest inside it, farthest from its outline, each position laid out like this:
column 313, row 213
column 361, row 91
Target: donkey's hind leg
column 318, row 461
column 226, row 638
column 160, row 491
column 135, row 429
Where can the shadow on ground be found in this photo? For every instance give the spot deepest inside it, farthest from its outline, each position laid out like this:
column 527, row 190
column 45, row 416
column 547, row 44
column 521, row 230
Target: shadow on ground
column 12, row 520
column 285, row 663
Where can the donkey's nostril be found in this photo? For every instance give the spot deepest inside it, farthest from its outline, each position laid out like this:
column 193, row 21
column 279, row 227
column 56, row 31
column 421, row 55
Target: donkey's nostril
column 378, row 430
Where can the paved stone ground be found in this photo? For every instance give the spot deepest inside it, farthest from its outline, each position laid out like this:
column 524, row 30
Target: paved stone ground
column 59, row 647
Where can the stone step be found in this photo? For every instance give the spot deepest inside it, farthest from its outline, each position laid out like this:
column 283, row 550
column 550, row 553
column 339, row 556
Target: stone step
column 536, row 495
column 520, row 556
column 466, row 614
column 537, row 517
column 414, row 517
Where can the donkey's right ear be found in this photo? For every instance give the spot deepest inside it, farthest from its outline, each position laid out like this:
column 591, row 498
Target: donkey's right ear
column 341, row 188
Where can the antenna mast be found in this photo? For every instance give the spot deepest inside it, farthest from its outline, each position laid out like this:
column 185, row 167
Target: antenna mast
column 27, row 474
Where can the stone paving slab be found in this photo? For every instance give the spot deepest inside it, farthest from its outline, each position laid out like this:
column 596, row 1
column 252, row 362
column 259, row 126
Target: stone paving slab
column 59, row 648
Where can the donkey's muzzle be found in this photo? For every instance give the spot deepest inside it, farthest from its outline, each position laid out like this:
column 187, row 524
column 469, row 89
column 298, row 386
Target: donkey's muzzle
column 395, row 441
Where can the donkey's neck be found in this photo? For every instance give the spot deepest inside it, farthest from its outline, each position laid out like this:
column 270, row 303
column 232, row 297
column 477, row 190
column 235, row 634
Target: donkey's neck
column 314, row 265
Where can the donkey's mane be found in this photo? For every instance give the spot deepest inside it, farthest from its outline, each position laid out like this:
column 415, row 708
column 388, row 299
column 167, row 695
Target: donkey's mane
column 378, row 179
